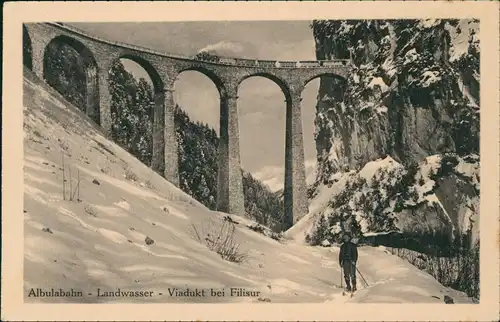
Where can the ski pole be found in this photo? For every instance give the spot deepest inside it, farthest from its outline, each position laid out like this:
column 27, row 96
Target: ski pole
column 362, row 277
column 341, row 284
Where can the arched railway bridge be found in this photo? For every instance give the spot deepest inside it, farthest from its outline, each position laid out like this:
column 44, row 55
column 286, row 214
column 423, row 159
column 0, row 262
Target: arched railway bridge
column 99, row 54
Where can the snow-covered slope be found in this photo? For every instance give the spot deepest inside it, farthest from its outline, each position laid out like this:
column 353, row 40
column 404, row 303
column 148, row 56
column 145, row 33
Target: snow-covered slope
column 100, row 241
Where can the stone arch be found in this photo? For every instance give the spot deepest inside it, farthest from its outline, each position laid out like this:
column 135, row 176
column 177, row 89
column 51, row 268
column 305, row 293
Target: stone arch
column 156, row 79
column 325, row 74
column 158, row 82
column 219, row 84
column 332, row 78
column 214, row 114
column 278, row 81
column 267, row 146
column 214, row 79
column 154, row 115
column 27, row 49
column 87, row 78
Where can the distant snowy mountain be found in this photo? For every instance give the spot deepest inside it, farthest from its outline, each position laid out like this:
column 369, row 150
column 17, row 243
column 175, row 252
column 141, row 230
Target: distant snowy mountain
column 273, row 176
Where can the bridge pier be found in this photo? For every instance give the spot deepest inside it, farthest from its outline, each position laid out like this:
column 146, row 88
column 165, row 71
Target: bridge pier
column 104, row 99
column 230, row 180
column 296, row 204
column 158, row 154
column 92, row 99
column 37, row 53
column 169, row 141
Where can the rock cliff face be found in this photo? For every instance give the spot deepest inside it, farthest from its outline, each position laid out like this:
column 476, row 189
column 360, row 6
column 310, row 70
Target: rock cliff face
column 413, row 93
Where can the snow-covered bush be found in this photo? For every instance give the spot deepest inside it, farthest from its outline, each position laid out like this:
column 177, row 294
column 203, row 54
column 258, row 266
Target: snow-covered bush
column 373, row 200
column 220, row 236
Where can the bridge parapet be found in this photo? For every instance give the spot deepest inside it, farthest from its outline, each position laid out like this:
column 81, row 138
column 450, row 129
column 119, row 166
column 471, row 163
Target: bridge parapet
column 245, row 62
column 287, row 64
column 238, row 62
column 335, row 63
column 308, row 63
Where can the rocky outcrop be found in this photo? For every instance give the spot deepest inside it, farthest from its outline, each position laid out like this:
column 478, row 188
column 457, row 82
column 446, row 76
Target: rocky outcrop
column 413, row 96
column 426, row 206
column 405, row 97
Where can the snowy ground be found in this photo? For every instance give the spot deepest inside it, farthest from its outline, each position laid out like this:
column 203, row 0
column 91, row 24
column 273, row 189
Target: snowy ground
column 100, row 242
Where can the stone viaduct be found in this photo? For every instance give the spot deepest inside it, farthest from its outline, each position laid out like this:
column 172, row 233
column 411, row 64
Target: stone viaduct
column 227, row 73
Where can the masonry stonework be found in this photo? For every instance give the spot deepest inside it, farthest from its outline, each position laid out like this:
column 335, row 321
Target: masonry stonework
column 230, row 181
column 295, row 190
column 226, row 73
column 170, row 157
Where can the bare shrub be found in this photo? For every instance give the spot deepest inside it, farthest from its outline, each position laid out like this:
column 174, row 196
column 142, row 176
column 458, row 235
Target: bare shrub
column 219, row 237
column 231, row 220
column 36, row 133
column 257, row 228
column 277, row 236
column 73, row 194
column 130, row 175
column 460, row 272
column 149, row 185
column 47, row 230
column 266, row 232
column 91, row 210
column 104, row 147
column 63, row 145
column 106, row 170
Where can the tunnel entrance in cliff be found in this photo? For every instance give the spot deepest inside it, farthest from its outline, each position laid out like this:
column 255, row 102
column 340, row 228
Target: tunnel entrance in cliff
column 70, row 68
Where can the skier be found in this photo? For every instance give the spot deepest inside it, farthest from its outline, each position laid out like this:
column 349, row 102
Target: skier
column 348, row 256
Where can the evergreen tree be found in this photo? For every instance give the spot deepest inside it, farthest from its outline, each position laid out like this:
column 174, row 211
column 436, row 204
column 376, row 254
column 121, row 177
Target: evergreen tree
column 65, row 72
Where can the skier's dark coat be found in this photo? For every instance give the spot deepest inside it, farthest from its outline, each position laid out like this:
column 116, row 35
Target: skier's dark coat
column 348, row 256
column 348, row 252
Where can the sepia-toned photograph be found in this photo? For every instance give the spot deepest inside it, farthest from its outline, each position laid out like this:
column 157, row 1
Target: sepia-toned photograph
column 297, row 161
column 151, row 176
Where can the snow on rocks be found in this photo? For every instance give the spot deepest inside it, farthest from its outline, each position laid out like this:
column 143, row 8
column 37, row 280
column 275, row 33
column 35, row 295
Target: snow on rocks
column 411, row 56
column 378, row 82
column 381, row 109
column 429, row 23
column 375, row 199
column 372, row 167
column 464, row 33
column 429, row 78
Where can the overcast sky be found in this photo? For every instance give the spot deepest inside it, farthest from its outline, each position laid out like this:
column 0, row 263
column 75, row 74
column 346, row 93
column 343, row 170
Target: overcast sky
column 261, row 105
